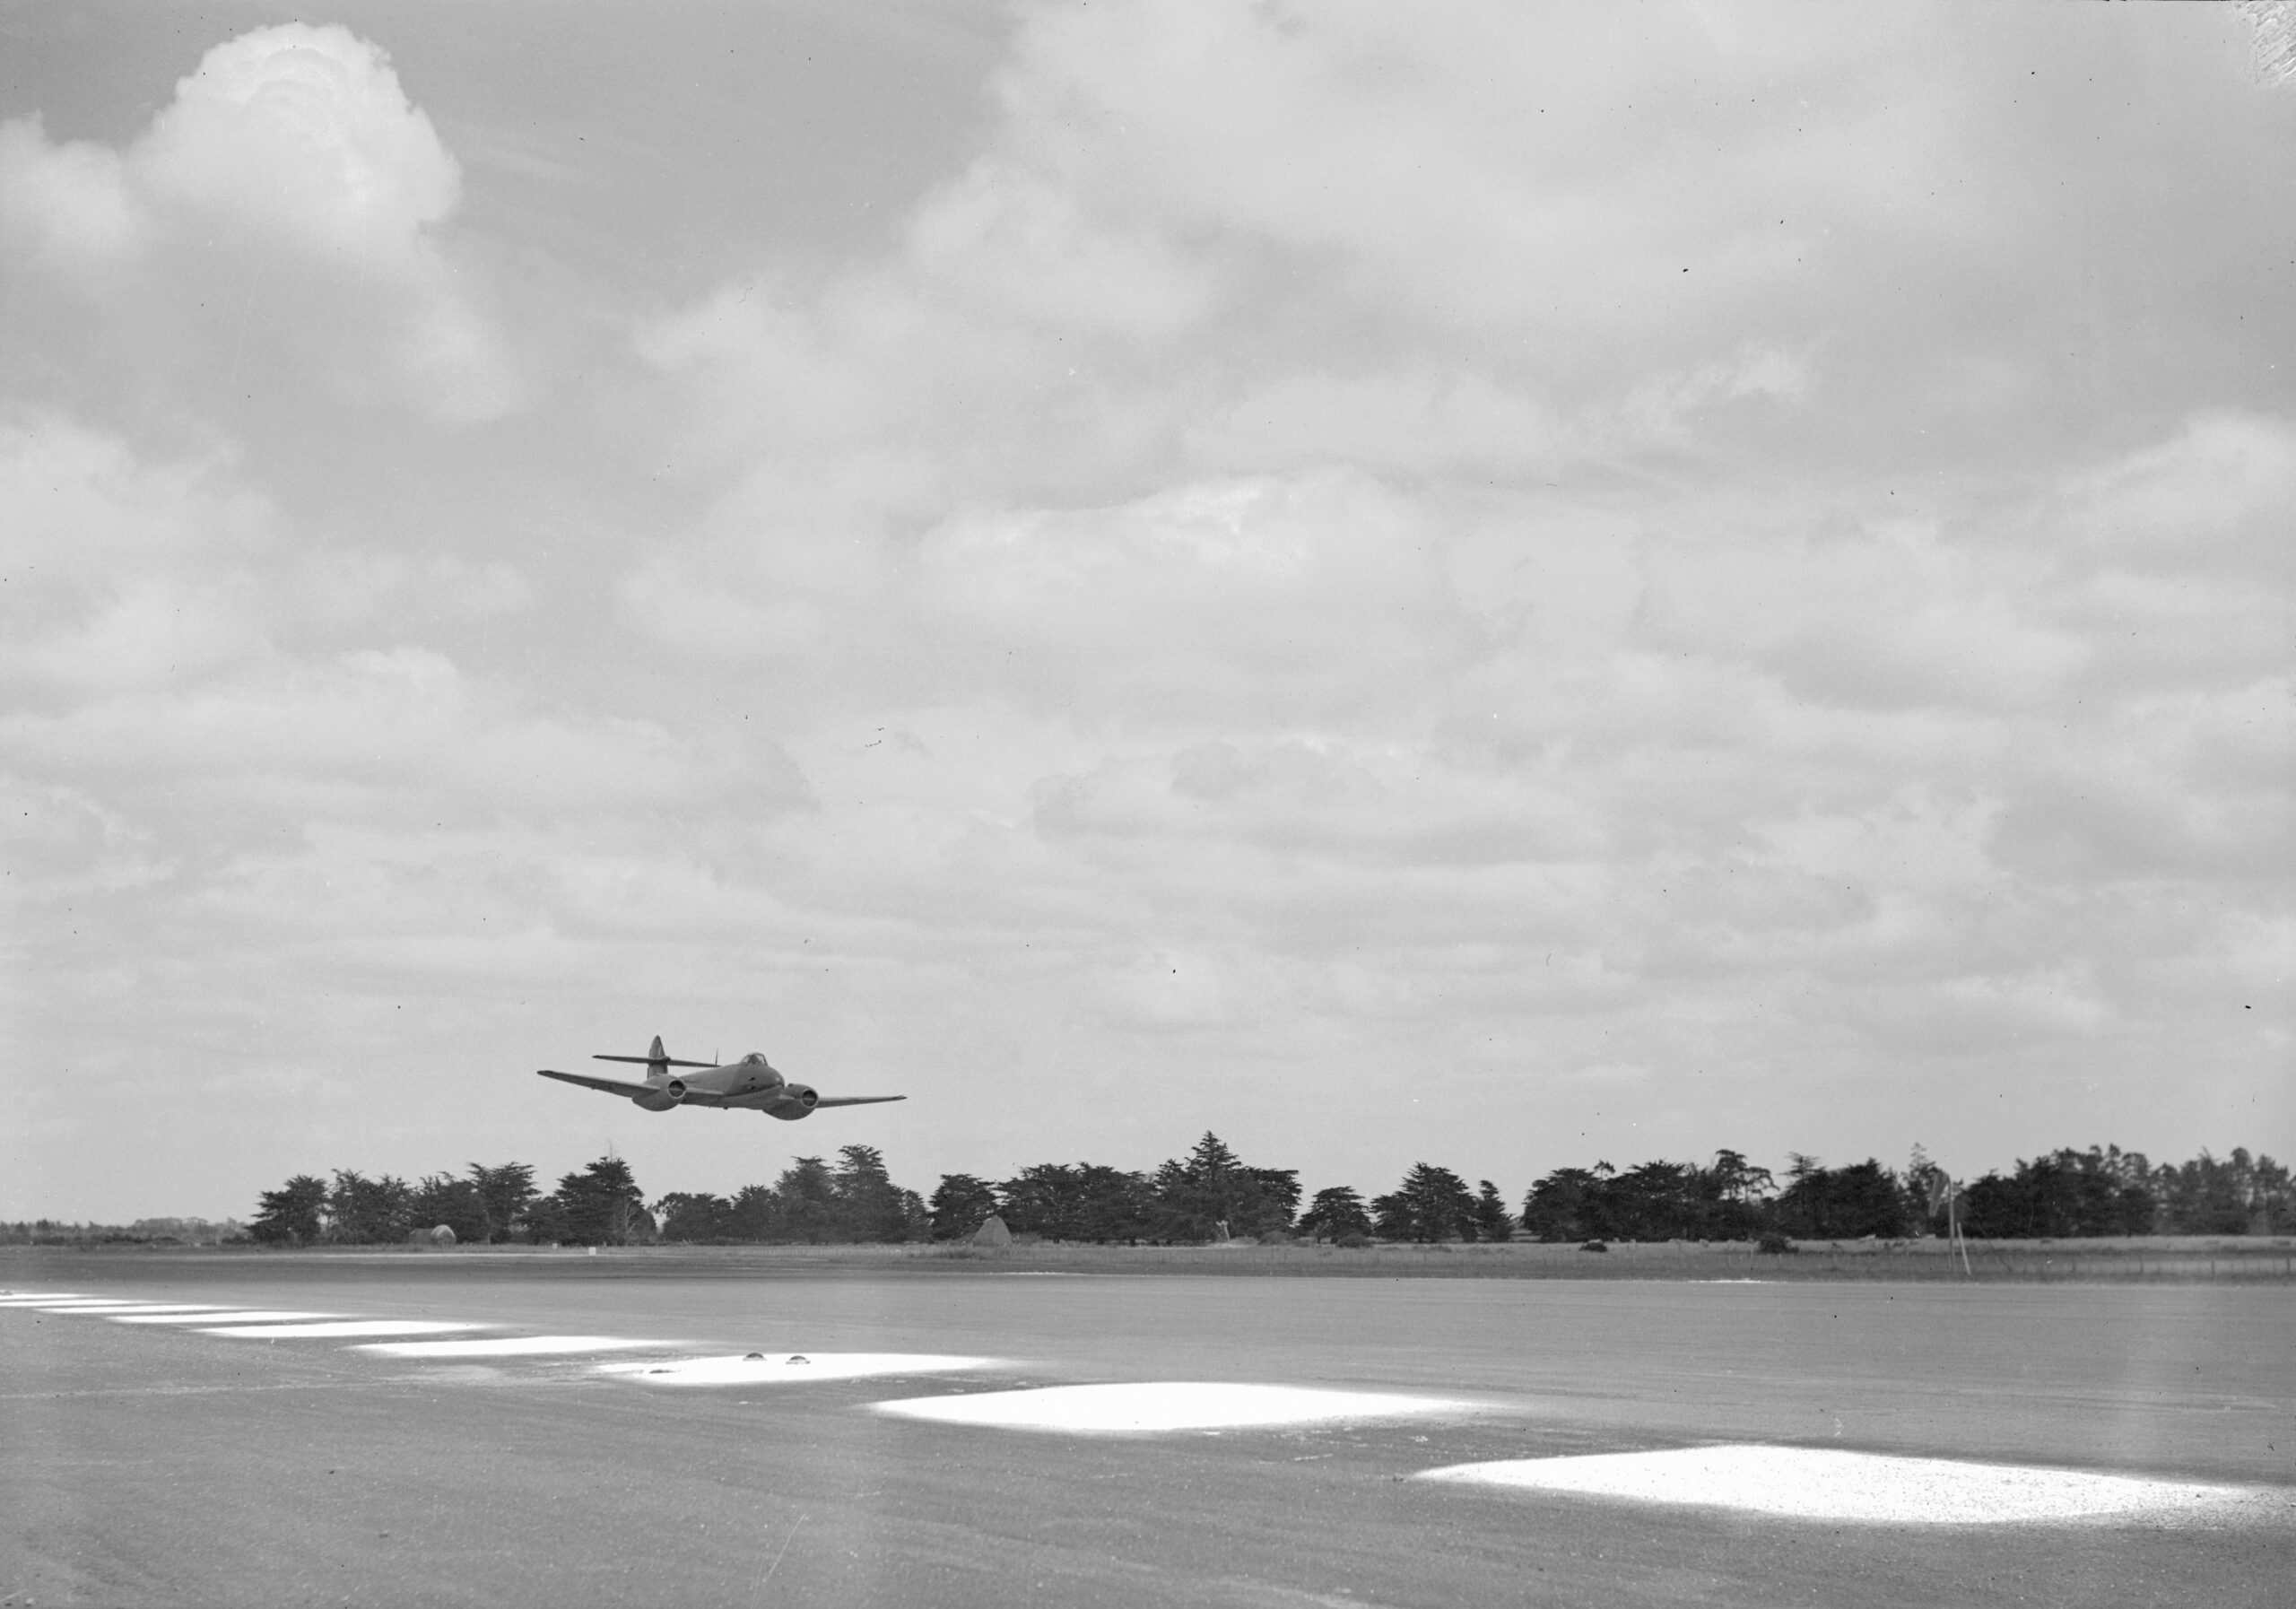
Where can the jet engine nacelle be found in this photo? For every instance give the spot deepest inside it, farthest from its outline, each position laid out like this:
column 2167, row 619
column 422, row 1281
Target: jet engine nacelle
column 797, row 1102
column 662, row 1099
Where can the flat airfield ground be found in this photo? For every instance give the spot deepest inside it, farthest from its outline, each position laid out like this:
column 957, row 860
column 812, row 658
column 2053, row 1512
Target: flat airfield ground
column 151, row 1463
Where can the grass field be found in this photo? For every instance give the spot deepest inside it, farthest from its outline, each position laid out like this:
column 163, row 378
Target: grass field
column 2150, row 1258
column 2146, row 1260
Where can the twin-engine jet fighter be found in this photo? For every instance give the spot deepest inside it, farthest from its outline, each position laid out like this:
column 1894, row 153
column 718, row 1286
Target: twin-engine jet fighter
column 749, row 1085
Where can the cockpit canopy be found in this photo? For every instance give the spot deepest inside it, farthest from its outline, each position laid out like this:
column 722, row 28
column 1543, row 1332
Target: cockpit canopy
column 755, row 1059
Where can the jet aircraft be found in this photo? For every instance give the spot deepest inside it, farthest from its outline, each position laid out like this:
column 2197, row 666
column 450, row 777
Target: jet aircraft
column 749, row 1085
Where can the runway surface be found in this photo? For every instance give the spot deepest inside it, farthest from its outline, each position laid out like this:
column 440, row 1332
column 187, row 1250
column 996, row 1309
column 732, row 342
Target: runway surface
column 501, row 1430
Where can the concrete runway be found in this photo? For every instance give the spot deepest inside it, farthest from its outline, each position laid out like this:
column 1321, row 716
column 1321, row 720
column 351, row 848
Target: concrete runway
column 145, row 1459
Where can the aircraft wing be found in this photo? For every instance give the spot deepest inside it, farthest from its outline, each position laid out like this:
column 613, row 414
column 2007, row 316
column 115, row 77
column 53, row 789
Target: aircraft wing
column 854, row 1100
column 612, row 1086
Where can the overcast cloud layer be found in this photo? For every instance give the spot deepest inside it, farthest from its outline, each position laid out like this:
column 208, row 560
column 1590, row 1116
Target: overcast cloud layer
column 1498, row 586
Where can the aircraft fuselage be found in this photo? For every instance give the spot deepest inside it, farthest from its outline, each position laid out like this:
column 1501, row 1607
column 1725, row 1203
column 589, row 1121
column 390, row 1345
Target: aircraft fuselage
column 749, row 1085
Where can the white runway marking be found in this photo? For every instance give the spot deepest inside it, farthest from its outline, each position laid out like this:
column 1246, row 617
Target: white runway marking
column 1164, row 1405
column 504, row 1346
column 90, row 1305
column 788, row 1369
column 348, row 1327
column 1802, row 1482
column 219, row 1315
column 28, row 1298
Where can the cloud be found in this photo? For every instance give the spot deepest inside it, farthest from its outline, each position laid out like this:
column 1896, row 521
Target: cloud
column 1410, row 423
column 1304, row 595
column 70, row 204
column 304, row 132
column 1380, row 161
column 2213, row 496
column 1888, row 616
column 120, row 574
column 290, row 163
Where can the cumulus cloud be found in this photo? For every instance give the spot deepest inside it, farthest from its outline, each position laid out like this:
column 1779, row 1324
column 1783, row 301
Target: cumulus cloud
column 292, row 161
column 304, row 131
column 70, row 204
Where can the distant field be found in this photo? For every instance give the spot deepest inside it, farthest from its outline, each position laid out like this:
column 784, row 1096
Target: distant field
column 2180, row 1258
column 2193, row 1258
column 2206, row 1260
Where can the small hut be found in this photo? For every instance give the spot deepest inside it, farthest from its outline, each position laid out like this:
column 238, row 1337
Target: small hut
column 992, row 1232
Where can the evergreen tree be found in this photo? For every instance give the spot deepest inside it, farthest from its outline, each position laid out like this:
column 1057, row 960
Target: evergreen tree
column 1279, row 1198
column 1841, row 1203
column 961, row 1203
column 2067, row 1192
column 1735, row 1179
column 1112, row 1205
column 367, row 1211
column 1045, row 1199
column 1196, row 1195
column 1492, row 1222
column 868, row 1203
column 2234, row 1195
column 916, row 1217
column 1210, row 1194
column 504, row 1192
column 1336, row 1214
column 1924, row 1180
column 1652, row 1201
column 1432, row 1204
column 753, row 1213
column 545, row 1222
column 1568, row 1204
column 602, row 1206
column 698, row 1218
column 290, row 1214
column 442, row 1198
column 804, row 1203
column 1732, row 1199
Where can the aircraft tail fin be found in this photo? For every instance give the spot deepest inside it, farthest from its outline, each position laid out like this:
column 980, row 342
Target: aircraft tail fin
column 658, row 1062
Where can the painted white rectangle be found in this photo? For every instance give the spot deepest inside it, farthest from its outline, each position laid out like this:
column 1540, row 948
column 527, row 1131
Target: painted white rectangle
column 28, row 1299
column 1823, row 1484
column 126, row 1308
column 505, row 1346
column 219, row 1315
column 1151, row 1405
column 788, row 1369
column 348, row 1327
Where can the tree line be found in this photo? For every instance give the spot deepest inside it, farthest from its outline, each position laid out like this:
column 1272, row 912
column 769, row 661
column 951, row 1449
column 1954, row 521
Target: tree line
column 1211, row 1193
column 600, row 1204
column 144, row 1231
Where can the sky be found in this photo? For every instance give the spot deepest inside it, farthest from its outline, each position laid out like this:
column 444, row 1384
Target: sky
column 1498, row 585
